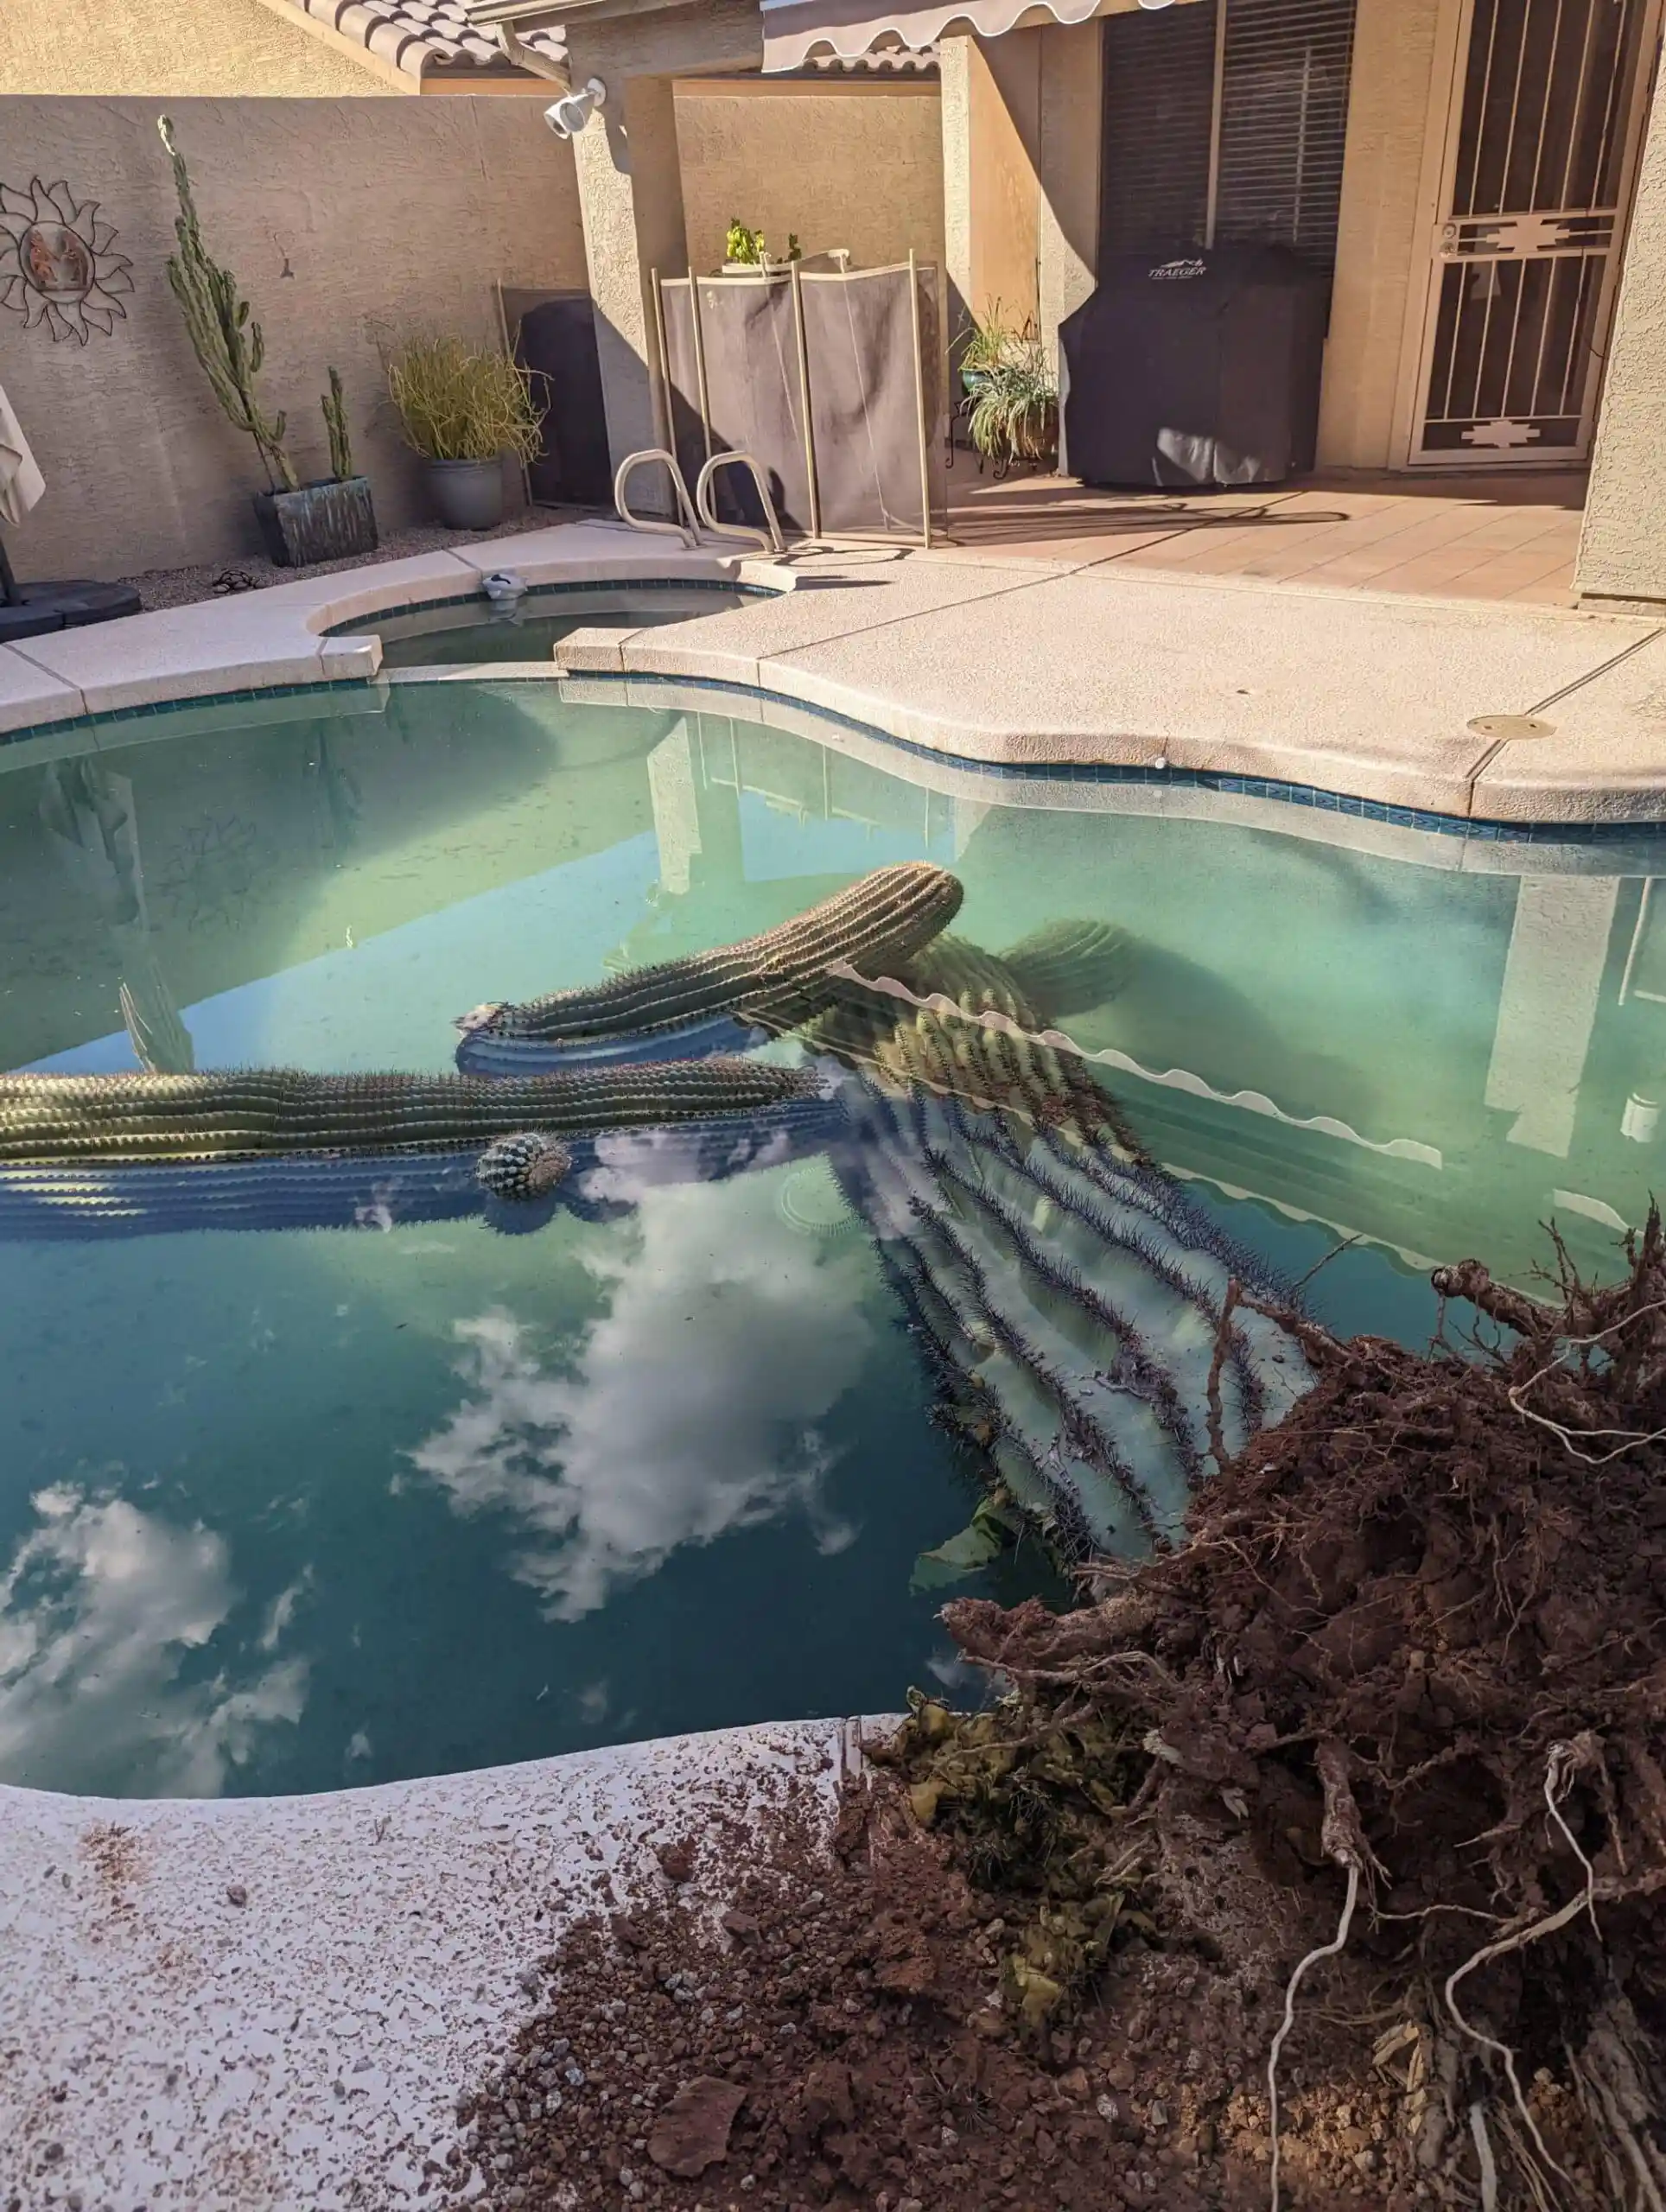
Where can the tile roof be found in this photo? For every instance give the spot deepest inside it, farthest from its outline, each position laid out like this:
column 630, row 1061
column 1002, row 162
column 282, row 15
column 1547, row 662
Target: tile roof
column 427, row 38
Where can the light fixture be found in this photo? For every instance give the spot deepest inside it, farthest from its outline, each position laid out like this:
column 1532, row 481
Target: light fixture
column 1156, row 3
column 574, row 110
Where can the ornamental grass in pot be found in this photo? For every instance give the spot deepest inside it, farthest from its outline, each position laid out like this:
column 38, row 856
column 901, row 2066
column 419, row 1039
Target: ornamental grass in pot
column 1011, row 403
column 463, row 408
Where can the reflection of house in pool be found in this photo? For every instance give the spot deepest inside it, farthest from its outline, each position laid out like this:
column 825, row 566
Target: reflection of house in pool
column 1306, row 1027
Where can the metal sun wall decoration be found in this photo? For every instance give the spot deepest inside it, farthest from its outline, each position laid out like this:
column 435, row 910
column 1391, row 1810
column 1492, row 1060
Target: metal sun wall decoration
column 56, row 266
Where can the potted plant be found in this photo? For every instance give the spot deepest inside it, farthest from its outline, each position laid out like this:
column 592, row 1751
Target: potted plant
column 462, row 408
column 745, row 249
column 1011, row 394
column 332, row 519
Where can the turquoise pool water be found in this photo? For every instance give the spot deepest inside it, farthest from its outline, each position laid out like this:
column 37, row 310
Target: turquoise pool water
column 528, row 628
column 293, row 1509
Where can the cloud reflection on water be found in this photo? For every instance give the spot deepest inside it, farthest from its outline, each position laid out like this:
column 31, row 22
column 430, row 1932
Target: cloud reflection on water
column 692, row 1406
column 98, row 1609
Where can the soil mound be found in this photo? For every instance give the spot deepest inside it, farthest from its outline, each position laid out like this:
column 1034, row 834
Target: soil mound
column 1316, row 1862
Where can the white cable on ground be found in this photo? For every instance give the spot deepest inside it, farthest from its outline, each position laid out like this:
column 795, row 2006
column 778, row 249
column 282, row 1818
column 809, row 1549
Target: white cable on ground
column 1325, row 1951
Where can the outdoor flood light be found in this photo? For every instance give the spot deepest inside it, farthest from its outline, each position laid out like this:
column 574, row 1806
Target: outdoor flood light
column 574, row 110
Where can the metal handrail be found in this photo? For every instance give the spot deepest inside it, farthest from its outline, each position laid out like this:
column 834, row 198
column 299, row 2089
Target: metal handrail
column 688, row 529
column 769, row 540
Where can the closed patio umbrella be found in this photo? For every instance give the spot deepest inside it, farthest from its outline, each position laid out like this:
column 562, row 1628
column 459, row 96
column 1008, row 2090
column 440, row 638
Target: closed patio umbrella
column 28, row 610
column 22, row 485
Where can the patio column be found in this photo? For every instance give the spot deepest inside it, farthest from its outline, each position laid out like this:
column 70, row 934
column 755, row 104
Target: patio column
column 1622, row 546
column 1067, row 171
column 630, row 184
column 991, row 97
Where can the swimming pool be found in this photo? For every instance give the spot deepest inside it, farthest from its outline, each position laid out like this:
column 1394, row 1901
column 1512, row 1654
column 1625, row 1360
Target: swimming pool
column 528, row 628
column 291, row 1509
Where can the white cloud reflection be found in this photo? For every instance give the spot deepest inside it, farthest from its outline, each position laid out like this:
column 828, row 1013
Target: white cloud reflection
column 692, row 1406
column 99, row 1606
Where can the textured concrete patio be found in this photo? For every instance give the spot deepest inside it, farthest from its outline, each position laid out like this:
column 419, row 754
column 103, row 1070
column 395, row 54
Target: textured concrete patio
column 1474, row 707
column 1511, row 538
column 271, row 2005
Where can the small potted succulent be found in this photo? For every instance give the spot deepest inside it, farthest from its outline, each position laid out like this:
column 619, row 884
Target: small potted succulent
column 463, row 408
column 332, row 519
column 746, row 251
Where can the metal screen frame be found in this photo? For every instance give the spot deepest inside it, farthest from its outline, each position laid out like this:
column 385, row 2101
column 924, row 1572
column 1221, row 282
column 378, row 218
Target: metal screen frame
column 797, row 278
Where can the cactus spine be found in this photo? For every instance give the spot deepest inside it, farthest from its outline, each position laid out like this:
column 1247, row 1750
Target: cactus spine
column 229, row 345
column 335, row 421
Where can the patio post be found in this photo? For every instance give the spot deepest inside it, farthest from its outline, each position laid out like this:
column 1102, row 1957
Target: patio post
column 1622, row 544
column 630, row 183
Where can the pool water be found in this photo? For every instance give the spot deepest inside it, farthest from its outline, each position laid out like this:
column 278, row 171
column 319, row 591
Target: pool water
column 294, row 1508
column 463, row 631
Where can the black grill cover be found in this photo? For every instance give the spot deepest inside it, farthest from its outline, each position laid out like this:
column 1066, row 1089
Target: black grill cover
column 1200, row 366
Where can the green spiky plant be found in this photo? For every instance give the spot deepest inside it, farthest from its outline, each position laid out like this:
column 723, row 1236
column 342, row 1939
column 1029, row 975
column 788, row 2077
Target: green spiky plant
column 1011, row 405
column 226, row 341
column 335, row 421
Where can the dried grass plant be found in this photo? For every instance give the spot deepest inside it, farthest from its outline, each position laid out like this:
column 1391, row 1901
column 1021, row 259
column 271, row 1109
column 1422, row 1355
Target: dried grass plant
column 457, row 402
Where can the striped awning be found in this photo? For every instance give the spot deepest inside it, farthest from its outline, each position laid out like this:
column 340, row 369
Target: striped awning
column 797, row 30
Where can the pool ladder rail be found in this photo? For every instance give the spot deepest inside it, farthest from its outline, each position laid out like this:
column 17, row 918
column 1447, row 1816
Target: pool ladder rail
column 697, row 521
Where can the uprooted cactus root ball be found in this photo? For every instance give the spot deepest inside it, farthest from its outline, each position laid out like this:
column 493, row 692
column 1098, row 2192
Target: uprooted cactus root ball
column 1408, row 1678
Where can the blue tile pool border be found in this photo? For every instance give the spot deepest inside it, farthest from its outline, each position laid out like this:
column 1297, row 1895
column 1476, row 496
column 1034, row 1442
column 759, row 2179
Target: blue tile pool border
column 365, row 625
column 1310, row 796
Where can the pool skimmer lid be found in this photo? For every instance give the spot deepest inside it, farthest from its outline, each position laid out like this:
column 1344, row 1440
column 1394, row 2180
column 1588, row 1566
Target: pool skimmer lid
column 1504, row 725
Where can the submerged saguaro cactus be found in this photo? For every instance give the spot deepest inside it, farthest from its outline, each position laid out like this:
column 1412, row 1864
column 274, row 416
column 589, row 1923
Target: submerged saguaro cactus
column 226, row 341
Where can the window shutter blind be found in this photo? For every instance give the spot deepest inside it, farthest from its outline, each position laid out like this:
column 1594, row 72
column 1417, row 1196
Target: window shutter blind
column 1283, row 105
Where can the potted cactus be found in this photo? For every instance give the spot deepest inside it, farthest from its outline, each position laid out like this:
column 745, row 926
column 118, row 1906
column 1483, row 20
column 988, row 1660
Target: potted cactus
column 331, row 519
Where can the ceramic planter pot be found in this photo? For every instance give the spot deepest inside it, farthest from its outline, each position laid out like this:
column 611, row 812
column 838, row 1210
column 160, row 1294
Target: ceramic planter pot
column 466, row 494
column 321, row 522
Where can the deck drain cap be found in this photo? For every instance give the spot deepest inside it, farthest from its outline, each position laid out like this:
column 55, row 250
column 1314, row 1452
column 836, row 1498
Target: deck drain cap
column 1512, row 726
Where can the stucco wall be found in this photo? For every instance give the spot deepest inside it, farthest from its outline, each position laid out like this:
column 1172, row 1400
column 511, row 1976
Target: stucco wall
column 171, row 50
column 342, row 220
column 841, row 167
column 1381, row 254
column 1623, row 543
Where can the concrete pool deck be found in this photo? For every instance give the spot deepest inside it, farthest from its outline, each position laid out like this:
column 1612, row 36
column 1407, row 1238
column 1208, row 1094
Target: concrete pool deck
column 273, row 2004
column 1404, row 702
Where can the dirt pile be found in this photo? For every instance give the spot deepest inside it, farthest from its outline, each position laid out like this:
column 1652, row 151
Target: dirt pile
column 1415, row 1655
column 1369, row 1780
column 836, row 2036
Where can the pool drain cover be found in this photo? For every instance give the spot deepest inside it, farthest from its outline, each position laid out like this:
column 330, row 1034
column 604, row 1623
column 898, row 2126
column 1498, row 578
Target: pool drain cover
column 1512, row 726
column 812, row 1203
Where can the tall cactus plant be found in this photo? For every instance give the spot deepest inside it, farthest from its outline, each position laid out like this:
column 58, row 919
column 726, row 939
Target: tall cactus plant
column 227, row 342
column 335, row 421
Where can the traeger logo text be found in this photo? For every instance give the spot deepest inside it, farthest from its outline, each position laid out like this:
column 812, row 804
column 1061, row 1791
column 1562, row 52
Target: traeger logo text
column 1173, row 271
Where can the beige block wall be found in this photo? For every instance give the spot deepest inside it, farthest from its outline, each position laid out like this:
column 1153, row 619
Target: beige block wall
column 169, row 49
column 847, row 166
column 1382, row 258
column 343, row 221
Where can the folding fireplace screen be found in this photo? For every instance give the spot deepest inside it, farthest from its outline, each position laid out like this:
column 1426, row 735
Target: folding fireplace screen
column 831, row 380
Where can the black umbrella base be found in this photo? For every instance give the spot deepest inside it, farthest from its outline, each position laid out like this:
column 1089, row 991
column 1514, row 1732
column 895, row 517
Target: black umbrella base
column 67, row 606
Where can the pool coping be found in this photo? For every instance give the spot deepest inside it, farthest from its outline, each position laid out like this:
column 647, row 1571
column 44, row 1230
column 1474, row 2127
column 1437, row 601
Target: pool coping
column 895, row 663
column 273, row 2004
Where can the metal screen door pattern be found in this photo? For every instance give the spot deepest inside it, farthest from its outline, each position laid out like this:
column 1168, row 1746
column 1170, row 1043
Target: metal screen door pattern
column 1536, row 188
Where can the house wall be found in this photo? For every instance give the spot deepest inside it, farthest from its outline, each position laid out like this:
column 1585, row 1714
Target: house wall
column 841, row 164
column 345, row 222
column 991, row 125
column 1622, row 543
column 1382, row 257
column 184, row 49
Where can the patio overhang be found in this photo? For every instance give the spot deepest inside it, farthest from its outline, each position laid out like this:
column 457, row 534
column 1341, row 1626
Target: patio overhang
column 796, row 31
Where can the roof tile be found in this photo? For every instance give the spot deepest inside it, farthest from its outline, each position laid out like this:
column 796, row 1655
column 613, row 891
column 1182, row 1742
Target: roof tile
column 425, row 38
